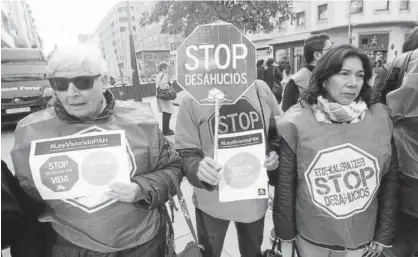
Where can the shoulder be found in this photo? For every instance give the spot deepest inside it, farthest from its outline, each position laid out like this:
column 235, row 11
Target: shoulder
column 37, row 117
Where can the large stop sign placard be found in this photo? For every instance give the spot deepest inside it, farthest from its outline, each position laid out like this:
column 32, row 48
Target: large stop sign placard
column 216, row 62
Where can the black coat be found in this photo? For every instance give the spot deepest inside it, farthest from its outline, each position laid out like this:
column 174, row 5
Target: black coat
column 21, row 230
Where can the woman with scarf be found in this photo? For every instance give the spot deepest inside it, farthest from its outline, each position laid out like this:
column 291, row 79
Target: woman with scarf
column 126, row 218
column 337, row 187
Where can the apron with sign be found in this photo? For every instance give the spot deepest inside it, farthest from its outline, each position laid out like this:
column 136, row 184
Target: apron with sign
column 339, row 167
column 95, row 222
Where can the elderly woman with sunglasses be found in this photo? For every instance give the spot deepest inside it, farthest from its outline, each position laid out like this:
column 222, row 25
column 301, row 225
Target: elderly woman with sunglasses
column 129, row 218
column 337, row 188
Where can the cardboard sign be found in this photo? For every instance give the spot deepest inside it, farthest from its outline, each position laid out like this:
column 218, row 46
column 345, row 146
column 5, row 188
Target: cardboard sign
column 242, row 156
column 79, row 165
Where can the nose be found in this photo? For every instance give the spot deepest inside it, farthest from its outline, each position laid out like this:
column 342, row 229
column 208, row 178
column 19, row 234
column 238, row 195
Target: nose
column 352, row 80
column 72, row 90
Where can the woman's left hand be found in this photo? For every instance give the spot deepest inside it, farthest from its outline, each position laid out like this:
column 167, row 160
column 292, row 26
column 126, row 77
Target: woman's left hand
column 125, row 192
column 272, row 161
column 374, row 250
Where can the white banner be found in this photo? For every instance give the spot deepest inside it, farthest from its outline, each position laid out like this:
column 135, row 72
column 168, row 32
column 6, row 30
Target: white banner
column 79, row 165
column 242, row 157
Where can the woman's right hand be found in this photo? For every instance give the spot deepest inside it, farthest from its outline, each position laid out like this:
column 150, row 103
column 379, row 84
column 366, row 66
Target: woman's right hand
column 209, row 171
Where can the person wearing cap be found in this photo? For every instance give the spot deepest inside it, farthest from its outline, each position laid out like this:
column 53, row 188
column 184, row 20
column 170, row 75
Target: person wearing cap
column 129, row 219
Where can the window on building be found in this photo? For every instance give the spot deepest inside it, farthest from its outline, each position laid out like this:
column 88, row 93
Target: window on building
column 123, row 19
column 282, row 23
column 404, row 5
column 115, row 42
column 300, row 19
column 322, row 12
column 115, row 51
column 133, row 28
column 356, row 6
column 364, row 41
column 122, row 29
column 121, row 9
column 133, row 18
column 382, row 5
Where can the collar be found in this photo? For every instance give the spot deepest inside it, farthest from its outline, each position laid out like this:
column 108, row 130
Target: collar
column 310, row 67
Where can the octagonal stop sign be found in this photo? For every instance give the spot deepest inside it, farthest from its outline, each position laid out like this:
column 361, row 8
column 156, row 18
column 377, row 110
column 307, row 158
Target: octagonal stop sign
column 216, row 61
column 59, row 173
column 343, row 180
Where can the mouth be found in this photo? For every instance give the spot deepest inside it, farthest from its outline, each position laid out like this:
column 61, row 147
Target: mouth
column 77, row 104
column 349, row 94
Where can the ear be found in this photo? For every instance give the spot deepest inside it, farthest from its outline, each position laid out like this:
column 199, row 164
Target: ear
column 317, row 55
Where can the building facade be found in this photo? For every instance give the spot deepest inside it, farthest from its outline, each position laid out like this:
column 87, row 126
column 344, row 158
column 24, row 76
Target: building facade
column 112, row 34
column 377, row 27
column 18, row 27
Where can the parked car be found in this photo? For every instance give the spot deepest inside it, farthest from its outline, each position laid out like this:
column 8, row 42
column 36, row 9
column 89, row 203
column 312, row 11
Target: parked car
column 24, row 85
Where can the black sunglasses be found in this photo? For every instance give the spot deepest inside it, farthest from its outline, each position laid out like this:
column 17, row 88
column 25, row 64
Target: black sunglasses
column 80, row 82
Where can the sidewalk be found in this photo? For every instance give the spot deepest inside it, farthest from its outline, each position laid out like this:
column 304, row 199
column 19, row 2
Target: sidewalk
column 182, row 233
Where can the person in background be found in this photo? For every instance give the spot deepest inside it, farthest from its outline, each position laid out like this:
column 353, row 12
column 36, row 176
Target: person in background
column 20, row 229
column 328, row 203
column 273, row 75
column 404, row 112
column 260, row 69
column 164, row 106
column 130, row 218
column 313, row 48
column 410, row 44
column 194, row 141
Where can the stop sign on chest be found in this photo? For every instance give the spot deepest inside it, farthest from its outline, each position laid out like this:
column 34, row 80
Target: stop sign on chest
column 240, row 117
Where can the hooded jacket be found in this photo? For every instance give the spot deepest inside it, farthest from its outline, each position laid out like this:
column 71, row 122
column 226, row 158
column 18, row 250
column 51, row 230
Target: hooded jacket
column 98, row 222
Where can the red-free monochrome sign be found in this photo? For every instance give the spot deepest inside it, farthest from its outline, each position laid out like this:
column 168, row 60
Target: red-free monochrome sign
column 216, row 62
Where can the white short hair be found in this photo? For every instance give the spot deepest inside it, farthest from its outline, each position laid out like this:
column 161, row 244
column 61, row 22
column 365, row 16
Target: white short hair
column 83, row 59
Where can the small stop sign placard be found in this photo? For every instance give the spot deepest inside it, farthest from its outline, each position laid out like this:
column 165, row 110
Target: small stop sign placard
column 59, row 173
column 216, row 62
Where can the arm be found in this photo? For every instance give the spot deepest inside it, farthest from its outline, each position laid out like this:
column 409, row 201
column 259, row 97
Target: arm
column 290, row 96
column 388, row 202
column 157, row 186
column 379, row 82
column 165, row 82
column 188, row 144
column 284, row 204
column 278, row 75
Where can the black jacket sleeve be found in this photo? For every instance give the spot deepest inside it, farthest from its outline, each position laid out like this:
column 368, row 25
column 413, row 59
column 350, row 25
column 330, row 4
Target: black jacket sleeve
column 378, row 85
column 284, row 204
column 290, row 96
column 388, row 196
column 158, row 185
column 191, row 160
column 21, row 230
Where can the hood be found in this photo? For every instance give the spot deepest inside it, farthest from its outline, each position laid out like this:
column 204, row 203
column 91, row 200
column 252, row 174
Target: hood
column 27, row 88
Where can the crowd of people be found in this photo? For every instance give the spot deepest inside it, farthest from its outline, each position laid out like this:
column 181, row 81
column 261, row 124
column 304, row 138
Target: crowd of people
column 341, row 155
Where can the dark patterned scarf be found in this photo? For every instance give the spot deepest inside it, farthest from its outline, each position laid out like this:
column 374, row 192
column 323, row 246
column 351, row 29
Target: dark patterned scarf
column 106, row 113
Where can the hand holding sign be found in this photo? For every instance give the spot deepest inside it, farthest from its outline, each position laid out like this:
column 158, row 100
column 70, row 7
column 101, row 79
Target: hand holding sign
column 272, row 161
column 209, row 171
column 125, row 192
